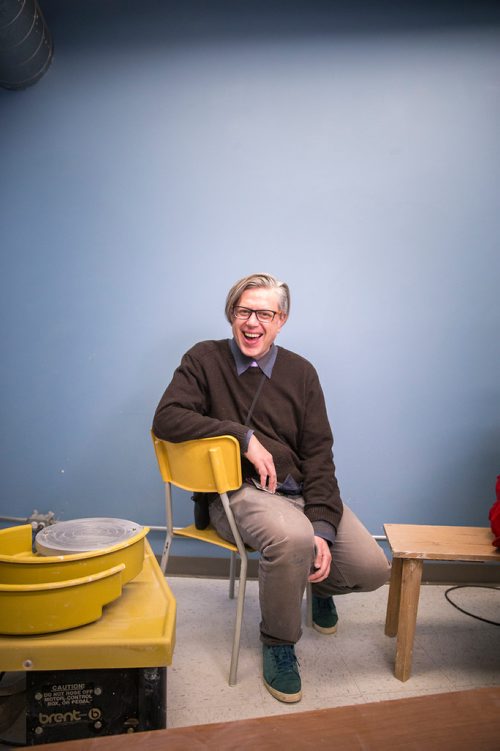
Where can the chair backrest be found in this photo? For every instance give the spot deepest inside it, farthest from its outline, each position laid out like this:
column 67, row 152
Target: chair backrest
column 205, row 465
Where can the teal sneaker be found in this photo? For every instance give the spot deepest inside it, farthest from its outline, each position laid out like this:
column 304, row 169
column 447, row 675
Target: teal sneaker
column 281, row 672
column 324, row 615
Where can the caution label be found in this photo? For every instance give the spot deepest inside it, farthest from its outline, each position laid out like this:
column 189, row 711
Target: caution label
column 67, row 695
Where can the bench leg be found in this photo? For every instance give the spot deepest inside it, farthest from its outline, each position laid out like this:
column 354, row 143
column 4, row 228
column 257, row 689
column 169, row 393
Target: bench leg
column 408, row 606
column 392, row 615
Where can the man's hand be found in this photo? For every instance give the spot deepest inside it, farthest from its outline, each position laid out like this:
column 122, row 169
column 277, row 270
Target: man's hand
column 263, row 462
column 322, row 562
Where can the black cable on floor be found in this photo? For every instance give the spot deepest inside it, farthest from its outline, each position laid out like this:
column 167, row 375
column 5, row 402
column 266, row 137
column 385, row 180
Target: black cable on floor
column 472, row 615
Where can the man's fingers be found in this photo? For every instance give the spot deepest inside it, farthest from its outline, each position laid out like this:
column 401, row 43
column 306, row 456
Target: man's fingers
column 272, row 479
column 263, row 463
column 321, row 572
column 322, row 561
column 268, row 476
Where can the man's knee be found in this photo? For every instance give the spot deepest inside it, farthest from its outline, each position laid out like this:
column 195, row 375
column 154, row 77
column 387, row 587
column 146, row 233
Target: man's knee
column 295, row 548
column 377, row 571
column 363, row 571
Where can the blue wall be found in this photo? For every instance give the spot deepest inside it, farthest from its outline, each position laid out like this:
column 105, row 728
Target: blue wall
column 174, row 147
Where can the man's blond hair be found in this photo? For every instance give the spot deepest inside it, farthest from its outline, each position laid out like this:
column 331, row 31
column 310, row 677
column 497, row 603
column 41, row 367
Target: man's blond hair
column 267, row 281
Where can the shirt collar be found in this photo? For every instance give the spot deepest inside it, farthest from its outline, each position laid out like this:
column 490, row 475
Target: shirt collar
column 265, row 363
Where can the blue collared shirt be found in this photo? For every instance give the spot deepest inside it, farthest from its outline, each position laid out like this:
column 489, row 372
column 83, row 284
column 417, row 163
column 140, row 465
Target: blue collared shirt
column 266, row 364
column 243, row 362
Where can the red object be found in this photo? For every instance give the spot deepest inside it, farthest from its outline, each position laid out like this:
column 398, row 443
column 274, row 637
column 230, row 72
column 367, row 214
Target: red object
column 494, row 517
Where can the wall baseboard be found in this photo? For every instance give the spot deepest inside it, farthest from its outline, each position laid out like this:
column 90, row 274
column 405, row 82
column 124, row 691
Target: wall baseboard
column 435, row 572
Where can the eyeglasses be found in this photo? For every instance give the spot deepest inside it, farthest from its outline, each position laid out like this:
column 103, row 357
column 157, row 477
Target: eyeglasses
column 264, row 316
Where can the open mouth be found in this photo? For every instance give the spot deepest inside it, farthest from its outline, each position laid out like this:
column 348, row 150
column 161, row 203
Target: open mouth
column 251, row 337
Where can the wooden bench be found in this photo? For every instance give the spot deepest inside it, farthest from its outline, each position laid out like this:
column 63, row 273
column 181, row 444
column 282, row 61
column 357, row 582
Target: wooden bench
column 411, row 545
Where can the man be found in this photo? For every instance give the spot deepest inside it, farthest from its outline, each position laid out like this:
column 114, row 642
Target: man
column 289, row 506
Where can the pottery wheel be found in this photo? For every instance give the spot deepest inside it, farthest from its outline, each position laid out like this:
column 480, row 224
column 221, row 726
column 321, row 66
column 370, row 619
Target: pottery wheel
column 84, row 535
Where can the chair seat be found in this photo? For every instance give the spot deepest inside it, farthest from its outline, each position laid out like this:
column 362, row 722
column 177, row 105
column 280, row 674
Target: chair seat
column 208, row 535
column 205, row 535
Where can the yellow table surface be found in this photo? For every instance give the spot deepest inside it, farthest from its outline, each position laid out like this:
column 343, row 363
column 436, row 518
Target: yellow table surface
column 136, row 630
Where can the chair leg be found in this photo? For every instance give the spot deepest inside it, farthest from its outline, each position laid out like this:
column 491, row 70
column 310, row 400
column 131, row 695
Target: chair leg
column 170, row 526
column 164, row 555
column 232, row 574
column 239, row 620
column 309, row 606
column 241, row 589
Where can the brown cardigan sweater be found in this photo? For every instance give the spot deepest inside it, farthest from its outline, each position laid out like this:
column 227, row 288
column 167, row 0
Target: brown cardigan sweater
column 206, row 397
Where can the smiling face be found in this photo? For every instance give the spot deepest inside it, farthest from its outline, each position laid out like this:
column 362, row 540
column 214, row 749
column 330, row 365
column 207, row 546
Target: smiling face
column 253, row 337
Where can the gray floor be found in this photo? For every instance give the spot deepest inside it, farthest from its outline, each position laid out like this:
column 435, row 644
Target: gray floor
column 452, row 652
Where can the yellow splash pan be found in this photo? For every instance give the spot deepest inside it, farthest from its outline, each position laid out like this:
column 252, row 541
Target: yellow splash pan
column 19, row 565
column 42, row 594
column 56, row 606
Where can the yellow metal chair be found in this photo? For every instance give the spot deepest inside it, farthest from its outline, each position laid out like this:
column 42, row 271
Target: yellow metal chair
column 210, row 465
column 206, row 465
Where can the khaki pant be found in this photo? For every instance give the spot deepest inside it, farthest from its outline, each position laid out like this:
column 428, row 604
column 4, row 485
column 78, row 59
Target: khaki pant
column 277, row 527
